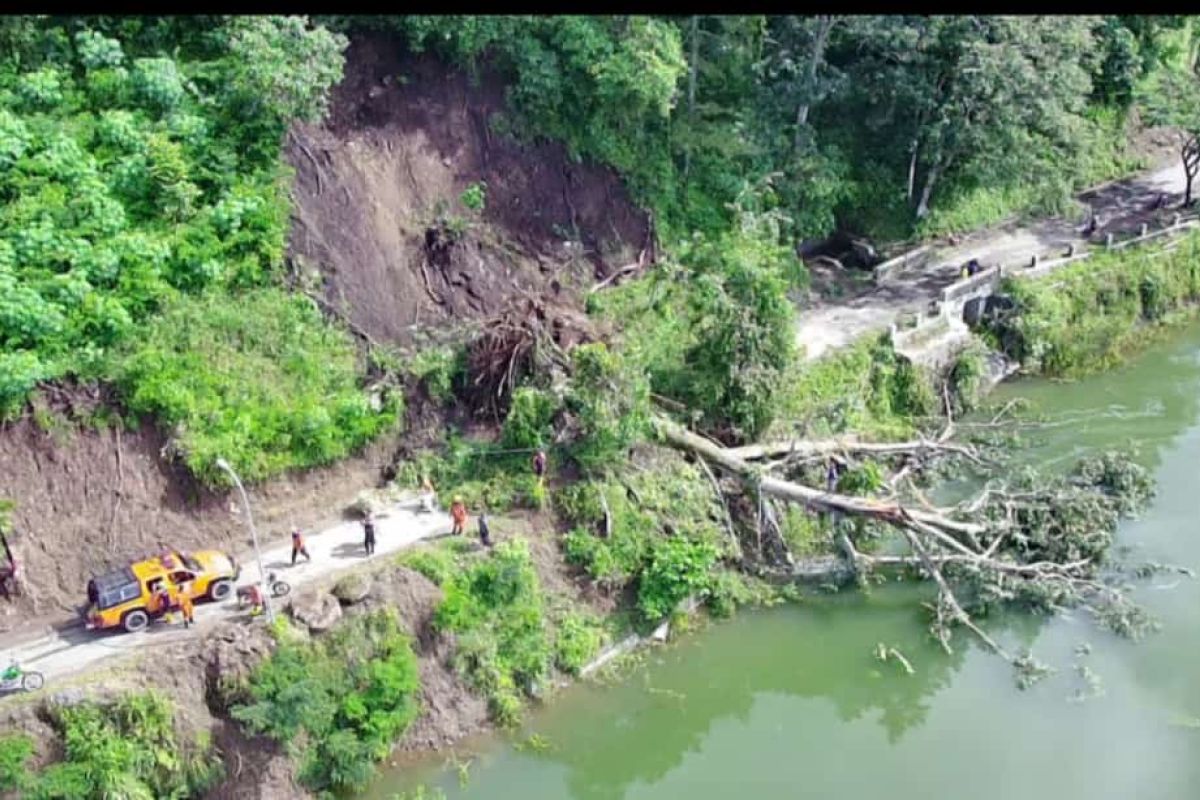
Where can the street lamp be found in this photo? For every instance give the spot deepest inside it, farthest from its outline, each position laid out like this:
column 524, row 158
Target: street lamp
column 262, row 574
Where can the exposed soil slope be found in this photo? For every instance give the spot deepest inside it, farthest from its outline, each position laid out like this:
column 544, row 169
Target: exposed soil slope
column 403, row 139
column 89, row 499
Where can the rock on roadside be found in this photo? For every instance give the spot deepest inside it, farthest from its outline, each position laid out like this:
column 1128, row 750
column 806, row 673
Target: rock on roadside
column 318, row 611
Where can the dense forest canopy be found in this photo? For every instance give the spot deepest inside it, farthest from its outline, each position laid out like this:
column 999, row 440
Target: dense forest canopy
column 142, row 184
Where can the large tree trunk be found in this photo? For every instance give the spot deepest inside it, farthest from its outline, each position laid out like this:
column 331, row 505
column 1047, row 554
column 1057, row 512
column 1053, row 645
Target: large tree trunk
column 927, row 191
column 1191, row 165
column 892, row 513
column 691, row 96
column 821, row 37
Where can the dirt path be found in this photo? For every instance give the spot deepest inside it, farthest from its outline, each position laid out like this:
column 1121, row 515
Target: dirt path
column 1120, row 207
column 334, row 550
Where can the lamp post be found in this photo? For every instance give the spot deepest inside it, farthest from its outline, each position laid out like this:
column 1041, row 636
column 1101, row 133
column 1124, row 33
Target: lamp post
column 262, row 574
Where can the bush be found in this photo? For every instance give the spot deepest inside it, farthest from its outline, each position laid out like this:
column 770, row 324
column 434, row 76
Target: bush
column 1087, row 315
column 15, row 751
column 677, row 568
column 609, row 397
column 529, row 423
column 578, row 639
column 338, row 703
column 127, row 748
column 638, row 550
column 263, row 383
column 864, row 388
column 496, row 608
column 439, row 370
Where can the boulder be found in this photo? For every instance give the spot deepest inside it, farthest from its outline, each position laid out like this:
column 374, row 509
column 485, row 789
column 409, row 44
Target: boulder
column 318, row 611
column 352, row 589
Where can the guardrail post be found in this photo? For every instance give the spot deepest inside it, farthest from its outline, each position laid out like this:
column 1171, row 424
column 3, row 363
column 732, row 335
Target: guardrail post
column 1175, row 221
column 1145, row 229
column 1070, row 250
column 1108, row 240
column 1033, row 261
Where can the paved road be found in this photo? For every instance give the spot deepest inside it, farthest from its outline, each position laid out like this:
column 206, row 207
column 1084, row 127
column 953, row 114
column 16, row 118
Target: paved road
column 333, row 550
column 1119, row 206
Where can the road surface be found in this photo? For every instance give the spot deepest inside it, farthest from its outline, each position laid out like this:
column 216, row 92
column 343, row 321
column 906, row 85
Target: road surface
column 337, row 549
column 1119, row 206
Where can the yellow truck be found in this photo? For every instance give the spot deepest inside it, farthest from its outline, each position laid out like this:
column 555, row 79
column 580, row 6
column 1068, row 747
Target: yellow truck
column 125, row 597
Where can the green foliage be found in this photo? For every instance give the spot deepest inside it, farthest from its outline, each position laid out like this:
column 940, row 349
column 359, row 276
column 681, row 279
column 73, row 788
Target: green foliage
column 474, row 196
column 434, row 563
column 141, row 194
column 578, row 638
column 339, row 702
column 865, row 388
column 438, row 369
column 718, row 335
column 609, row 397
column 263, row 383
column 530, row 419
column 128, row 748
column 677, row 568
column 15, row 751
column 1088, row 315
column 966, row 378
column 664, row 534
column 495, row 607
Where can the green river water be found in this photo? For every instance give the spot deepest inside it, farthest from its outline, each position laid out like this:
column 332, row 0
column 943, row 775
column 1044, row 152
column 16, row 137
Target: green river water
column 790, row 702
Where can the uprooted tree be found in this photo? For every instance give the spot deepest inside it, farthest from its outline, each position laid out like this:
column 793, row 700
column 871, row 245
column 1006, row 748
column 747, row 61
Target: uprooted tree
column 1036, row 543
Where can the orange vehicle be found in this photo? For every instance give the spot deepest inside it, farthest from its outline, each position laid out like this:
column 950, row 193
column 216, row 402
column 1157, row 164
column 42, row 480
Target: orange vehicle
column 126, row 598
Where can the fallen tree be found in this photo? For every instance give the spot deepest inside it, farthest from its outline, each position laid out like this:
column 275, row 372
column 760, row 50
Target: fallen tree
column 1029, row 541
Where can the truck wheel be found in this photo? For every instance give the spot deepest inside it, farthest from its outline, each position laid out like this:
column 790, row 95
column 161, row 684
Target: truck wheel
column 220, row 590
column 135, row 620
column 32, row 681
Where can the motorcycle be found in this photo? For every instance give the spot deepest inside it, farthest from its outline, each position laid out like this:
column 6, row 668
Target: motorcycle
column 278, row 589
column 15, row 679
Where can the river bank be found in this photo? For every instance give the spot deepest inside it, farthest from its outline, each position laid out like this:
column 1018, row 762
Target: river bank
column 780, row 697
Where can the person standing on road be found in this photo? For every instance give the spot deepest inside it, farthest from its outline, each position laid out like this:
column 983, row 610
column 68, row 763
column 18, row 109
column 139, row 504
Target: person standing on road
column 298, row 548
column 485, row 534
column 185, row 605
column 369, row 534
column 458, row 513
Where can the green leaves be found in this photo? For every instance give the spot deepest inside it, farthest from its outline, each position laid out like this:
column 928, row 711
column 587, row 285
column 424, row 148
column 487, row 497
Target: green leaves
column 262, row 382
column 340, row 702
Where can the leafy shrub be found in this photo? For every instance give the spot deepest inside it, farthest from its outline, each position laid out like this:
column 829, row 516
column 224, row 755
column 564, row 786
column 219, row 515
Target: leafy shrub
column 610, row 399
column 530, row 418
column 128, row 748
column 263, row 383
column 496, row 608
column 434, row 563
column 474, row 196
column 1087, row 315
column 339, row 702
column 439, row 369
column 578, row 638
column 15, row 752
column 677, row 568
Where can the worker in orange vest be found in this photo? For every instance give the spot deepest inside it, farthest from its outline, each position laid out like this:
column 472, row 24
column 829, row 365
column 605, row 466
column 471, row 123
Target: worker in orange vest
column 458, row 513
column 298, row 548
column 185, row 605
